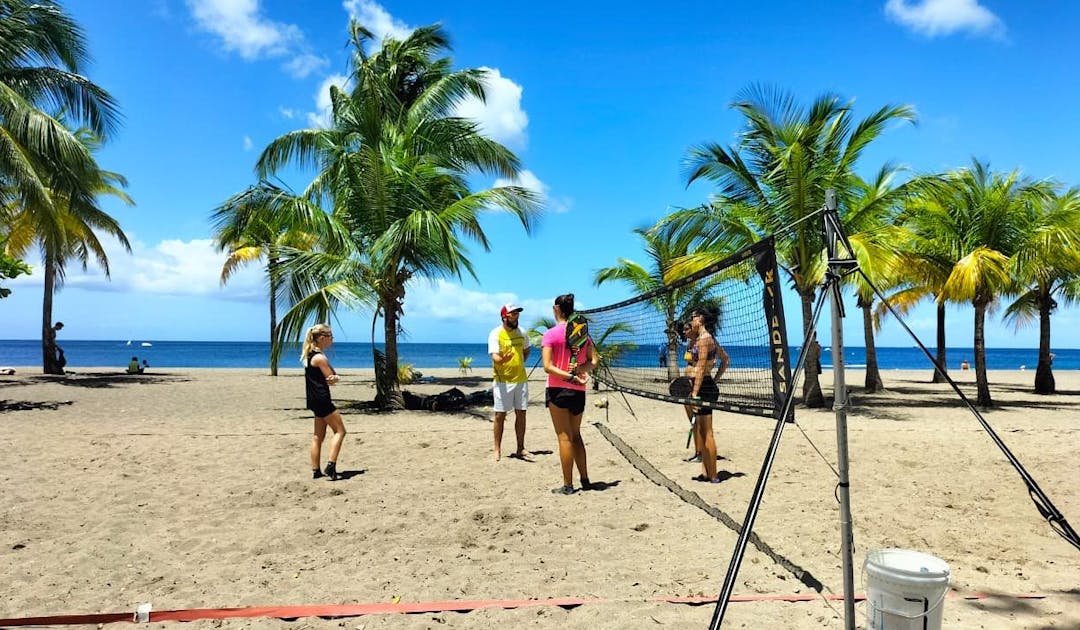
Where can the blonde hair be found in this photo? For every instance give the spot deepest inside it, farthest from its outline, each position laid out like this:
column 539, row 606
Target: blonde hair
column 313, row 333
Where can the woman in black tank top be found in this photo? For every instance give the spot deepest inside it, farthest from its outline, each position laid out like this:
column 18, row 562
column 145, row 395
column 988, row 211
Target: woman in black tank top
column 318, row 377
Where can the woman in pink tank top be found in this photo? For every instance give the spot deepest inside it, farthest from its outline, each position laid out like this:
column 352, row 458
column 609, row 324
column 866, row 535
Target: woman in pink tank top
column 565, row 394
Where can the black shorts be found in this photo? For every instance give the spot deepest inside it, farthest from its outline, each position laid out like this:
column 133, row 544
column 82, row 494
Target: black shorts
column 573, row 400
column 321, row 408
column 709, row 391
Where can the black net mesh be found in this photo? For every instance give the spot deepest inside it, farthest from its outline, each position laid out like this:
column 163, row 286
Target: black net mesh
column 642, row 350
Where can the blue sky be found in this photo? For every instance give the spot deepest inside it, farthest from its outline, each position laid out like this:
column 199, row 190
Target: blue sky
column 601, row 100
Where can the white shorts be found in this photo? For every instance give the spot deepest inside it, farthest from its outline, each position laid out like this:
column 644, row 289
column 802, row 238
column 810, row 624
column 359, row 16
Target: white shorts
column 511, row 396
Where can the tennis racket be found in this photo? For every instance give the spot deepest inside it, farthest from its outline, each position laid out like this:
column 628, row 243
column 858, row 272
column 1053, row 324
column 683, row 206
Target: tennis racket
column 577, row 335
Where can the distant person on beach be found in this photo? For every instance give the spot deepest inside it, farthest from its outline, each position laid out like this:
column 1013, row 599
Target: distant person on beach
column 964, row 365
column 706, row 353
column 509, row 350
column 54, row 354
column 663, row 355
column 134, row 367
column 145, row 365
column 318, row 377
column 565, row 394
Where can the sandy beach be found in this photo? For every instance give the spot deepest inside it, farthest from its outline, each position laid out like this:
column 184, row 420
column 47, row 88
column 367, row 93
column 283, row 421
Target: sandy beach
column 190, row 488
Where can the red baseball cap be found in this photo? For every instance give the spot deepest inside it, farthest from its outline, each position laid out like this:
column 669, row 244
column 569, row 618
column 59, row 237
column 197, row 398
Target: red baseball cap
column 510, row 308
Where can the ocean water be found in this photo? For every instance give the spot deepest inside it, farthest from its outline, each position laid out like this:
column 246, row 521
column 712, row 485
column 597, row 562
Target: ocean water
column 220, row 354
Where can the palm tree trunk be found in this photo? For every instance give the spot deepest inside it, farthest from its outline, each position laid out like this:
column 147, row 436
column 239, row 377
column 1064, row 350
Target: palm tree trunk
column 391, row 396
column 271, row 271
column 812, row 395
column 48, row 334
column 873, row 375
column 983, row 386
column 939, row 376
column 1044, row 374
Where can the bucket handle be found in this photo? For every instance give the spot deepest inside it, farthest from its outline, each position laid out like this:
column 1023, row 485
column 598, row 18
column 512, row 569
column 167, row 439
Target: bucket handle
column 940, row 600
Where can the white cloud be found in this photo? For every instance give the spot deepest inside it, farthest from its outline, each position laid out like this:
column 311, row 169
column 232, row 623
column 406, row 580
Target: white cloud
column 321, row 116
column 287, row 112
column 248, row 144
column 443, row 305
column 376, row 19
column 303, row 65
column 934, row 18
column 243, row 29
column 500, row 117
column 170, row 267
column 443, row 300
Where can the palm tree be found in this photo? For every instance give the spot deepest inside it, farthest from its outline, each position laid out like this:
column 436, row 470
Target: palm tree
column 665, row 245
column 393, row 168
column 784, row 161
column 874, row 237
column 927, row 258
column 37, row 152
column 48, row 177
column 65, row 229
column 610, row 351
column 983, row 218
column 258, row 224
column 1046, row 266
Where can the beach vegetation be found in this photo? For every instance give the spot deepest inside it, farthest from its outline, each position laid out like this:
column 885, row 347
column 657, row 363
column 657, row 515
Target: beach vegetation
column 609, row 350
column 776, row 175
column 52, row 119
column 10, row 267
column 926, row 261
column 266, row 223
column 537, row 330
column 42, row 58
column 66, row 229
column 1046, row 270
column 669, row 249
column 392, row 173
column 876, row 242
column 407, row 374
column 465, row 365
column 978, row 215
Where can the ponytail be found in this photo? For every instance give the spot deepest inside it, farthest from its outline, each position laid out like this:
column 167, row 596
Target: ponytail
column 313, row 333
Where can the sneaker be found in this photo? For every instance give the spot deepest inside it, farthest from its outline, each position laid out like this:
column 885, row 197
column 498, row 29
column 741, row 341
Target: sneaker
column 563, row 490
column 695, row 459
column 331, row 471
column 586, row 484
column 316, row 473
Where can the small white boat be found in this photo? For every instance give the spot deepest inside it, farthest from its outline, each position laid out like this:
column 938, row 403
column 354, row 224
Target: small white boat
column 146, row 344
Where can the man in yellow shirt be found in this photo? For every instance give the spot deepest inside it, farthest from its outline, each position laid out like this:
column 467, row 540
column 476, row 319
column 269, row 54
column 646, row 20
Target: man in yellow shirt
column 509, row 350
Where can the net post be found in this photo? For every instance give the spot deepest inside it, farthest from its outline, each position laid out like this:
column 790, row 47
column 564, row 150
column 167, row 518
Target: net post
column 834, row 235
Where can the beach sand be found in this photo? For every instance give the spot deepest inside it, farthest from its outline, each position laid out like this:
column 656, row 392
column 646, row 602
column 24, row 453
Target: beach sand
column 191, row 488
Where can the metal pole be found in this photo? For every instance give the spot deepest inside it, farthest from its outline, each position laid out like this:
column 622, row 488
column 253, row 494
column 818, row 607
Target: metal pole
column 840, row 408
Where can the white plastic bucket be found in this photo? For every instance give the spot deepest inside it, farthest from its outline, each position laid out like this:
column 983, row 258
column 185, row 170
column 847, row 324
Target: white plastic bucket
column 905, row 590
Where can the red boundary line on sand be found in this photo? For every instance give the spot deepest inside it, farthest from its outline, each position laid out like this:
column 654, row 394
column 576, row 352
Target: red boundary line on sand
column 357, row 610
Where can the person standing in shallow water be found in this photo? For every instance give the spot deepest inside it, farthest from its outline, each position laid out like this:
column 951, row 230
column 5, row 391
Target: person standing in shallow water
column 318, row 377
column 509, row 351
column 565, row 394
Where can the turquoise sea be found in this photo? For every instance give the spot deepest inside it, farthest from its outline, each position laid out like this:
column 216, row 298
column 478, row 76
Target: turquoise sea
column 220, row 354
